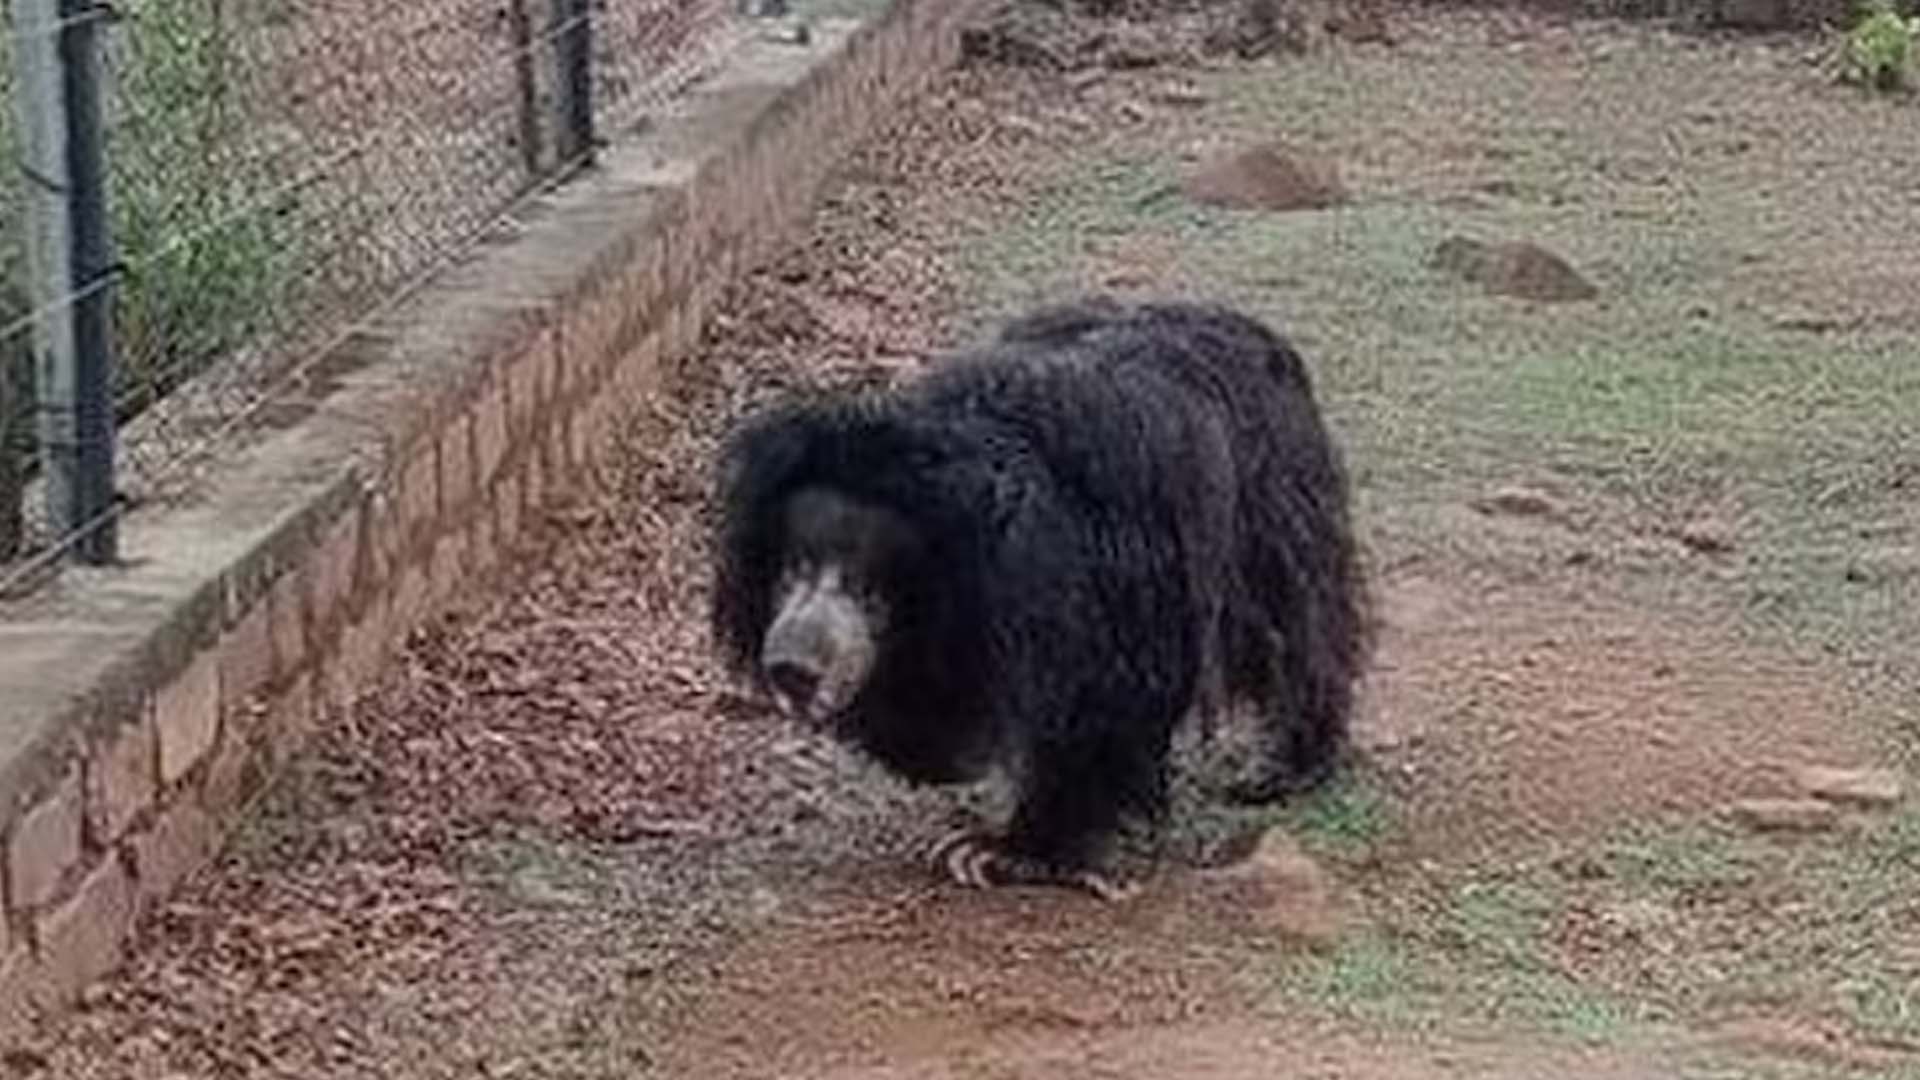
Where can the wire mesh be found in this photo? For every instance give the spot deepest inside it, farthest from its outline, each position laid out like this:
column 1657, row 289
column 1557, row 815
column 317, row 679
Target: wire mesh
column 278, row 169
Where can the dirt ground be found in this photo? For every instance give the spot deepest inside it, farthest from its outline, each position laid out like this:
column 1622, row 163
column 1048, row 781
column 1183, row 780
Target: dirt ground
column 1643, row 558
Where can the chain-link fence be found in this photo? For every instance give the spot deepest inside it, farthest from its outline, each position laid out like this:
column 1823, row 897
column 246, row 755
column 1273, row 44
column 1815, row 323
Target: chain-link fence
column 277, row 169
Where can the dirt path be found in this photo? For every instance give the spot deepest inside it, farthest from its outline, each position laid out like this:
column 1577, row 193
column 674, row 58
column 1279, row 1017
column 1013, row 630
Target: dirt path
column 553, row 844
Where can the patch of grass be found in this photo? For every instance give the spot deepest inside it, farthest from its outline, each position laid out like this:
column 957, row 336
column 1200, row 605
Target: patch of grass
column 1687, row 859
column 1346, row 816
column 1479, row 957
column 1368, row 973
column 1659, row 400
column 1818, row 924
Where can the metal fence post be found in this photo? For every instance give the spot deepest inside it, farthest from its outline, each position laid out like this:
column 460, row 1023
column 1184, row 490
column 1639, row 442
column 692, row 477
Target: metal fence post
column 15, row 355
column 573, row 76
column 70, row 260
column 527, row 87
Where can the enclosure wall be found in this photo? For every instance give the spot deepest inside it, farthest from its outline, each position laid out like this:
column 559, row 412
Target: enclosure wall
column 142, row 706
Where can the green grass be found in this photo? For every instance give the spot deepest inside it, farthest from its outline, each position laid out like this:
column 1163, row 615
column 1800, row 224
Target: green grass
column 1675, row 393
column 1660, row 401
column 1738, row 922
column 1347, row 816
column 1478, row 958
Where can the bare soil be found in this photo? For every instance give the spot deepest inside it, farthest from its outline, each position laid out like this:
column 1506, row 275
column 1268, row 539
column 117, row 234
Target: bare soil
column 554, row 843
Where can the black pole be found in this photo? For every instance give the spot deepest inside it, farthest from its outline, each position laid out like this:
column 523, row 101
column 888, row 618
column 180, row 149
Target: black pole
column 63, row 167
column 573, row 50
column 93, row 271
column 520, row 37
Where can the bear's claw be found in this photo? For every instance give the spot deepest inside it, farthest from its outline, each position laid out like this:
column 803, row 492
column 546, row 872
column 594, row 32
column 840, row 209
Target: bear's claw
column 979, row 861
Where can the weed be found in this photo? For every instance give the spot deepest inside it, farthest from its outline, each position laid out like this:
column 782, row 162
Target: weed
column 1879, row 49
column 206, row 259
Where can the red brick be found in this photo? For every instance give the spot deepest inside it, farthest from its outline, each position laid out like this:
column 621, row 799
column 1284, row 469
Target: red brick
column 489, row 435
column 593, row 427
column 81, row 940
column 592, row 335
column 562, row 370
column 635, row 372
column 332, row 596
column 123, row 778
column 289, row 720
column 363, row 649
column 385, row 549
column 506, row 510
column 529, row 384
column 45, row 844
column 412, row 594
column 580, row 445
column 483, row 551
column 289, row 606
column 235, row 775
column 456, row 465
column 187, row 715
column 246, row 653
column 533, row 484
column 420, row 495
column 181, row 841
column 449, row 567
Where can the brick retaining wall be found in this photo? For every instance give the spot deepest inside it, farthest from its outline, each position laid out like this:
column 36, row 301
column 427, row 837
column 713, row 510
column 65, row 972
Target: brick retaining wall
column 141, row 708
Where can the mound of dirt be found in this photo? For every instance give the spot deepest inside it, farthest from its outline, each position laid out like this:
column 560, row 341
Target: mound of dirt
column 1025, row 35
column 1270, row 177
column 1277, row 889
column 1052, row 38
column 1256, row 28
column 1519, row 269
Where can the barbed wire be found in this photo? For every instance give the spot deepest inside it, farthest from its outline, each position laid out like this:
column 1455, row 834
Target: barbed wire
column 284, row 173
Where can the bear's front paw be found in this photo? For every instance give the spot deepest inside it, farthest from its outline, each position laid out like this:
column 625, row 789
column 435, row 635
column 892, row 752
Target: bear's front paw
column 978, row 860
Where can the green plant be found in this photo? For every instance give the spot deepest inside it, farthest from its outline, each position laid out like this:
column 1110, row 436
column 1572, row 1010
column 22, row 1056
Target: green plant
column 208, row 253
column 1879, row 48
column 207, row 257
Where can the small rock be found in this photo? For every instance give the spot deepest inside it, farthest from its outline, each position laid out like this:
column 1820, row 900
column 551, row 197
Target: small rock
column 1786, row 815
column 1024, row 125
column 1281, row 888
column 1857, row 787
column 1030, row 36
column 1135, row 50
column 1359, row 25
column 1708, row 536
column 1806, row 323
column 1518, row 501
column 1885, row 564
column 1637, row 918
column 1086, row 77
column 1268, row 177
column 1180, row 93
column 1518, row 269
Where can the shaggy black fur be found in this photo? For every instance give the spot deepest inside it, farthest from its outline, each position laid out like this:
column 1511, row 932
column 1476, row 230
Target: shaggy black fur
column 1121, row 513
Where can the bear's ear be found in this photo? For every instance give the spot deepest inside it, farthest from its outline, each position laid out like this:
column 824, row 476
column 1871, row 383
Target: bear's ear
column 761, row 457
column 759, row 466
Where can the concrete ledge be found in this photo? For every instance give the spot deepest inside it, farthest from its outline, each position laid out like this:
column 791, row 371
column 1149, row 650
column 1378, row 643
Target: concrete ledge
column 142, row 707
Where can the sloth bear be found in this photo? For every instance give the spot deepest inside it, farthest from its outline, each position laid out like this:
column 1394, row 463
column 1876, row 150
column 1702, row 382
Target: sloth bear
column 1042, row 556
